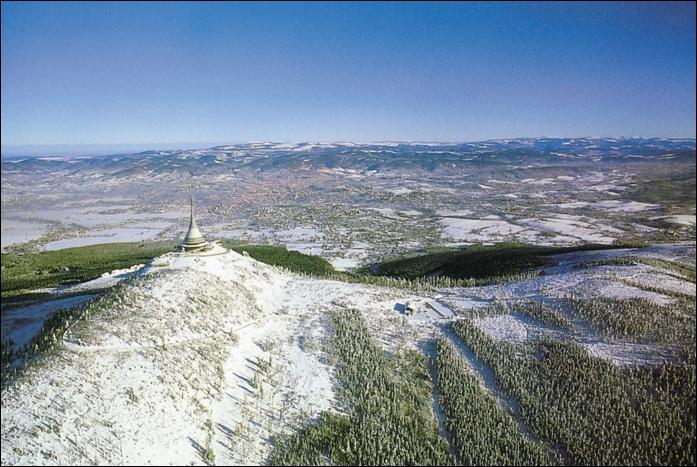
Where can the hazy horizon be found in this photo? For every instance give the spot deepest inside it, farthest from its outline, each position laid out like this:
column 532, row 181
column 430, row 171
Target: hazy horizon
column 76, row 150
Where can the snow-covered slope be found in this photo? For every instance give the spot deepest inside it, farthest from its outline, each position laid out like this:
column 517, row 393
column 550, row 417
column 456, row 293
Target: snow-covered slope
column 188, row 360
column 142, row 377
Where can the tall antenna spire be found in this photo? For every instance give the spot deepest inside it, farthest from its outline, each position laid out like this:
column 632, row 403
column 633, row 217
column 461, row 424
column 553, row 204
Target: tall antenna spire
column 191, row 199
column 193, row 240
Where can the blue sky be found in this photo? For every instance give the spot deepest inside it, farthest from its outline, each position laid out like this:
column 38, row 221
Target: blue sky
column 82, row 73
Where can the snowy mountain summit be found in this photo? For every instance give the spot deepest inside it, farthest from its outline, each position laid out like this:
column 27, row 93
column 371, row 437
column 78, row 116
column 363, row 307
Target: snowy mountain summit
column 164, row 367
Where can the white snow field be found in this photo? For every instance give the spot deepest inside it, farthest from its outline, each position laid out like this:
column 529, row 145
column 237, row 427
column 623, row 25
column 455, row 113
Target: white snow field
column 202, row 359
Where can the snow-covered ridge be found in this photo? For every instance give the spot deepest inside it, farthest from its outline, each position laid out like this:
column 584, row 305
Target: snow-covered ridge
column 140, row 378
column 188, row 357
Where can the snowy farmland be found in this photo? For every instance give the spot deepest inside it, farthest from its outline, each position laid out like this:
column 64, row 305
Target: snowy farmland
column 327, row 199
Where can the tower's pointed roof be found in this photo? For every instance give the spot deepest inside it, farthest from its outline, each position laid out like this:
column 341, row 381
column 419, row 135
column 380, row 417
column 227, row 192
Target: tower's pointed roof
column 193, row 239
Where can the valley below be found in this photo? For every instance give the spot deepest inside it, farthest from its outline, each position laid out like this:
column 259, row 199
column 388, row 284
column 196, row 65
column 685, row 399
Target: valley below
column 356, row 204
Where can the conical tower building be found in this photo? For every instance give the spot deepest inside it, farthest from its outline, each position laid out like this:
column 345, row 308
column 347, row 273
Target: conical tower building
column 193, row 240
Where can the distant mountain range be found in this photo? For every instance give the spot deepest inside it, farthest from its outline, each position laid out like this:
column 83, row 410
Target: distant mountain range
column 384, row 156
